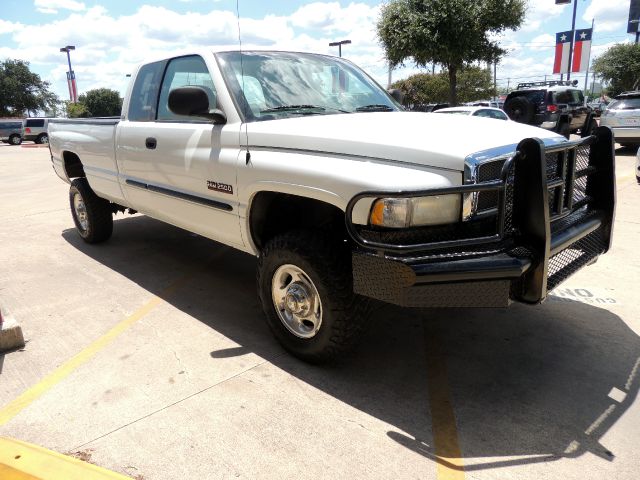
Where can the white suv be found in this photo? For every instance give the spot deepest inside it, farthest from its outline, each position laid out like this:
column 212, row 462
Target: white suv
column 623, row 117
column 35, row 129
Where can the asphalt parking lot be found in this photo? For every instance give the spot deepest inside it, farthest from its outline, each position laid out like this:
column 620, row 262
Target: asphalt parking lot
column 148, row 355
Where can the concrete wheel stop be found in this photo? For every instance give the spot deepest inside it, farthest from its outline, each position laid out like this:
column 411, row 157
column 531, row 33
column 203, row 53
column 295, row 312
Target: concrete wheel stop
column 11, row 337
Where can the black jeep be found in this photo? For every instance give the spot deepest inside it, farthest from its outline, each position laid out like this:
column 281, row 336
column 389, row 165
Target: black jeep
column 554, row 105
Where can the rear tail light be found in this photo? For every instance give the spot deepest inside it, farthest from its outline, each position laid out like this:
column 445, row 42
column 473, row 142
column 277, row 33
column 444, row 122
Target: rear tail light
column 27, row 130
column 552, row 108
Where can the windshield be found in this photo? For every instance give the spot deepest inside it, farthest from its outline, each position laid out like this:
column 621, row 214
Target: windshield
column 455, row 112
column 273, row 85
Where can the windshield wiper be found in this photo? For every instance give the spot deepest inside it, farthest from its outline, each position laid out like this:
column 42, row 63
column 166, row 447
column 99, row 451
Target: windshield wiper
column 375, row 107
column 286, row 108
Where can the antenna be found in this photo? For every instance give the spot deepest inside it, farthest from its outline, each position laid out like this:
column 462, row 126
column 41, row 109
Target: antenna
column 246, row 131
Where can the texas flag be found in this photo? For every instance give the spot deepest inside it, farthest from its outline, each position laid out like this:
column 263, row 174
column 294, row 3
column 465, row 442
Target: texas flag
column 563, row 43
column 581, row 50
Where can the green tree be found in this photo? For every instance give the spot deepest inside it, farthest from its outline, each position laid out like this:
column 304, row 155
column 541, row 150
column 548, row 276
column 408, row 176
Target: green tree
column 423, row 88
column 451, row 33
column 101, row 102
column 474, row 83
column 76, row 110
column 22, row 91
column 619, row 66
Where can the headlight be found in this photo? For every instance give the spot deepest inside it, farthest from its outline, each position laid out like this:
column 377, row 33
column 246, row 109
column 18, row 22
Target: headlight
column 414, row 212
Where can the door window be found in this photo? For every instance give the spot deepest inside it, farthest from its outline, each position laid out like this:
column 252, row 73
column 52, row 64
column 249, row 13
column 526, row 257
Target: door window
column 183, row 72
column 144, row 95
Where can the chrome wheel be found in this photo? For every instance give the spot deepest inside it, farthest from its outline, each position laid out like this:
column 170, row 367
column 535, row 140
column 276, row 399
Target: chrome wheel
column 45, row 140
column 80, row 211
column 297, row 301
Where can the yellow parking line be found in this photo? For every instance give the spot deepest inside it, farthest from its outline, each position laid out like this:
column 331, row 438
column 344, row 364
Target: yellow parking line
column 449, row 462
column 64, row 370
column 24, row 461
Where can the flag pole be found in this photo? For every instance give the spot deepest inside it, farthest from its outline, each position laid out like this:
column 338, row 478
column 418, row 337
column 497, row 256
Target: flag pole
column 573, row 35
column 586, row 76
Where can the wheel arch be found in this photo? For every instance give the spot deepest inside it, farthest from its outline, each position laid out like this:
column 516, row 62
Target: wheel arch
column 271, row 213
column 72, row 165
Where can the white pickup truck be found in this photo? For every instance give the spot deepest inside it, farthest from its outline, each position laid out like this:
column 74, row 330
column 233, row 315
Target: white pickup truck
column 304, row 161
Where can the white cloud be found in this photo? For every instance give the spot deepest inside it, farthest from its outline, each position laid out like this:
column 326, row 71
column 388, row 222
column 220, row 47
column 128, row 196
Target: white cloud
column 9, row 27
column 542, row 42
column 609, row 15
column 331, row 17
column 539, row 12
column 108, row 47
column 52, row 6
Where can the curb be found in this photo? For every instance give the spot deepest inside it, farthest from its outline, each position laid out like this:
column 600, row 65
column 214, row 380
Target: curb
column 11, row 336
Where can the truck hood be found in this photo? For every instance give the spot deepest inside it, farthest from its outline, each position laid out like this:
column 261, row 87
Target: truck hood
column 430, row 139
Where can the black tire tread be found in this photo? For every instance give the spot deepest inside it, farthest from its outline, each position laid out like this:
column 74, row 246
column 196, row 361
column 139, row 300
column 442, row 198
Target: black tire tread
column 98, row 211
column 349, row 312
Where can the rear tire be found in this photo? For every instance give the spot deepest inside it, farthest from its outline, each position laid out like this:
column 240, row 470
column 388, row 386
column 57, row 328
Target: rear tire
column 15, row 139
column 43, row 138
column 305, row 287
column 91, row 214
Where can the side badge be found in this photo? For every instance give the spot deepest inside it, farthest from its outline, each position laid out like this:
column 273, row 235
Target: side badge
column 219, row 187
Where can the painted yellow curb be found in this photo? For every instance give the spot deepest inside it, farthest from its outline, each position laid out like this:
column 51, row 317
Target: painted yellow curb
column 24, row 461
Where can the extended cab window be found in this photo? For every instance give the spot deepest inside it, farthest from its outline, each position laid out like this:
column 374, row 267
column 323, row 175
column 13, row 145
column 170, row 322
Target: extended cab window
column 183, row 72
column 144, row 95
column 35, row 123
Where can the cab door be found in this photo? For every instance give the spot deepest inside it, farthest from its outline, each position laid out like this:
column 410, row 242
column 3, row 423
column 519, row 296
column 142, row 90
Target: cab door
column 181, row 169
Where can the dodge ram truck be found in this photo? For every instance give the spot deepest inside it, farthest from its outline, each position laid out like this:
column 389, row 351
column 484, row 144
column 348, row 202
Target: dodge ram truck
column 307, row 163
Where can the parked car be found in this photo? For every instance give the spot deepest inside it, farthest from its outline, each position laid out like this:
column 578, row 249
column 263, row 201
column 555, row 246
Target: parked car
column 623, row 116
column 554, row 105
column 35, row 130
column 11, row 131
column 341, row 195
column 486, row 112
column 429, row 107
column 486, row 103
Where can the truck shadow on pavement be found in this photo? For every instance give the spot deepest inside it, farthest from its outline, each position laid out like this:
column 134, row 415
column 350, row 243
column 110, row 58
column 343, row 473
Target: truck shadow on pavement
column 525, row 381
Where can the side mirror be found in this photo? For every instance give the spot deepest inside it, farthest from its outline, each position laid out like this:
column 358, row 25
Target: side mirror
column 194, row 101
column 397, row 95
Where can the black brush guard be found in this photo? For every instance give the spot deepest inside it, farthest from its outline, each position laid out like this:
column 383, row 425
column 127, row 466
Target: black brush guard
column 555, row 213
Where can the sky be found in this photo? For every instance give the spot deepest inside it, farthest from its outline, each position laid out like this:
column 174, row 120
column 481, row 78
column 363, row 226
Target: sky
column 112, row 37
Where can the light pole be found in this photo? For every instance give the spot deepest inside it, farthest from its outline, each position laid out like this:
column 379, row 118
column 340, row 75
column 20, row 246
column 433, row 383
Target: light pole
column 339, row 45
column 71, row 77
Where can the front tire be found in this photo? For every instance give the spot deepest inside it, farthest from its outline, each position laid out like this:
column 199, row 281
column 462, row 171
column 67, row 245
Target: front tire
column 91, row 214
column 565, row 130
column 306, row 290
column 15, row 139
column 591, row 129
